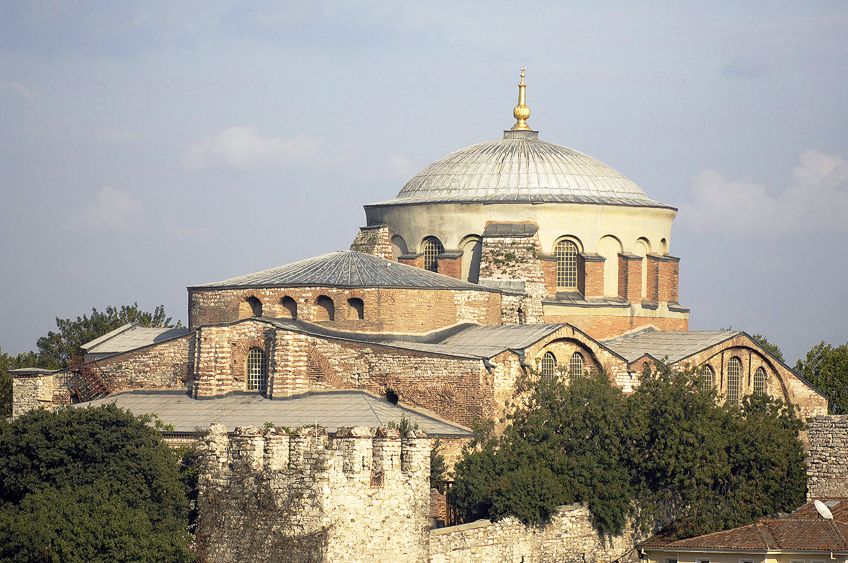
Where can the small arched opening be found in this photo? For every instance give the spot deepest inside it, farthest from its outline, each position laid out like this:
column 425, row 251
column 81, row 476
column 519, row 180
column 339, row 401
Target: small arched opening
column 432, row 248
column 566, row 251
column 325, row 309
column 392, row 396
column 707, row 375
column 289, row 308
column 760, row 381
column 577, row 366
column 734, row 380
column 250, row 307
column 355, row 309
column 257, row 370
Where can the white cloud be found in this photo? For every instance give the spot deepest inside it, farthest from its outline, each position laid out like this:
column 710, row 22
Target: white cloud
column 112, row 208
column 242, row 148
column 816, row 200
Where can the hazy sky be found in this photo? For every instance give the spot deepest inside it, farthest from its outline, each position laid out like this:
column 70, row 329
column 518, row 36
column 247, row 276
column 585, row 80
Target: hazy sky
column 148, row 147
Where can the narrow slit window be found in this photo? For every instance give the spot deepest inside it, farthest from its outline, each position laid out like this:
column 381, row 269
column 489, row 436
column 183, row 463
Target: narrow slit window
column 734, row 380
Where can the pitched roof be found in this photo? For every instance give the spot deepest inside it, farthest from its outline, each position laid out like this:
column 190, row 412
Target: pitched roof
column 131, row 336
column 675, row 345
column 330, row 409
column 465, row 340
column 345, row 268
column 803, row 530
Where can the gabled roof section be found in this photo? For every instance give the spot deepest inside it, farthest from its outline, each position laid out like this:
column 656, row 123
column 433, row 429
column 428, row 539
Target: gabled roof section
column 330, row 409
column 675, row 345
column 347, row 269
column 465, row 340
column 131, row 336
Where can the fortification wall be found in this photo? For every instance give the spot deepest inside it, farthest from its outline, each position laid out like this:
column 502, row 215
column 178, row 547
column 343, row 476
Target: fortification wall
column 569, row 537
column 268, row 496
column 827, row 456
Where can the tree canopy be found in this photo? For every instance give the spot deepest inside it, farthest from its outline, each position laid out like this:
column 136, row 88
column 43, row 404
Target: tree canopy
column 826, row 367
column 94, row 484
column 773, row 348
column 667, row 455
column 61, row 348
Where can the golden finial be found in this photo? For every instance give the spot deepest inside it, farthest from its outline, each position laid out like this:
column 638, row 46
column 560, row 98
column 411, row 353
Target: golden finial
column 521, row 112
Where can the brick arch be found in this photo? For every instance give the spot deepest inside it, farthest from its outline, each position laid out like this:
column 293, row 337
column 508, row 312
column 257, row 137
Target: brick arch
column 718, row 361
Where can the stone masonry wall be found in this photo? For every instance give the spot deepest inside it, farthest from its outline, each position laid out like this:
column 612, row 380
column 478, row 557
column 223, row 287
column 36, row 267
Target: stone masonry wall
column 165, row 365
column 363, row 495
column 517, row 258
column 385, row 310
column 569, row 537
column 40, row 391
column 376, row 240
column 827, row 461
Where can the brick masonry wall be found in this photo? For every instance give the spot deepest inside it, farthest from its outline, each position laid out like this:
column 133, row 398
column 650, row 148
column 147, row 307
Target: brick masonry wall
column 363, row 495
column 568, row 538
column 590, row 275
column 827, row 461
column 607, row 326
column 374, row 240
column 781, row 382
column 385, row 310
column 630, row 277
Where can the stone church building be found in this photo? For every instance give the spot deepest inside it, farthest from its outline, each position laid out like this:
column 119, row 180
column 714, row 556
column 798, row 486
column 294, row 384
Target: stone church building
column 506, row 257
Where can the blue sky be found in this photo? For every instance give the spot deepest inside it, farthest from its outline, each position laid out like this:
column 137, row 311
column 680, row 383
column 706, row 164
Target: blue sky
column 146, row 147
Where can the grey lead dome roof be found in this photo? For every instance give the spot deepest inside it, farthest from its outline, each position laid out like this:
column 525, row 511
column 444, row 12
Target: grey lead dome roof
column 521, row 169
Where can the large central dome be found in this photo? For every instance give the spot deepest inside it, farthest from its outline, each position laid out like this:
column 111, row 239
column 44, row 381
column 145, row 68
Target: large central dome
column 521, row 168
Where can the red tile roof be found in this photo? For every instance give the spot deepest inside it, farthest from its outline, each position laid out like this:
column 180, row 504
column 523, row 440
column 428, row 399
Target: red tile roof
column 802, row 530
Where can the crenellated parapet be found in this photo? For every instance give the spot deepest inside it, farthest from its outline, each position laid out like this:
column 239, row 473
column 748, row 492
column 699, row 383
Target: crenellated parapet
column 310, row 492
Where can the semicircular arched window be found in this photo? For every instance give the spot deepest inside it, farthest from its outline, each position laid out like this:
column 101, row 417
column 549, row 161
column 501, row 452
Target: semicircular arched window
column 432, row 248
column 577, row 366
column 548, row 366
column 707, row 377
column 565, row 252
column 760, row 381
column 734, row 380
column 257, row 370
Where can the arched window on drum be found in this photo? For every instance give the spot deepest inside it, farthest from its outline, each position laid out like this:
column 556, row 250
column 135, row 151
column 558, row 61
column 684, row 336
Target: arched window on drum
column 565, row 252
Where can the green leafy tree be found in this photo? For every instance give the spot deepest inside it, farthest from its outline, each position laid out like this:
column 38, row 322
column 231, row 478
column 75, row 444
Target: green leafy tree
column 826, row 367
column 700, row 467
column 438, row 468
column 668, row 455
column 773, row 348
column 61, row 348
column 89, row 485
column 568, row 444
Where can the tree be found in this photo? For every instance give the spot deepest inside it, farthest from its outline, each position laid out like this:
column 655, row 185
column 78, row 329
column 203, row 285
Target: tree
column 826, row 367
column 668, row 455
column 89, row 485
column 773, row 348
column 700, row 466
column 61, row 349
column 568, row 444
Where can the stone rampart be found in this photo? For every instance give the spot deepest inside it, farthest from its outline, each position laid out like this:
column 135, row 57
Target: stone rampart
column 275, row 495
column 827, row 457
column 569, row 537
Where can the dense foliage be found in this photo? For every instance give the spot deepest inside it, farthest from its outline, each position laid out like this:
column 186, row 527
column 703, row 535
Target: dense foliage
column 61, row 348
column 89, row 485
column 667, row 456
column 826, row 367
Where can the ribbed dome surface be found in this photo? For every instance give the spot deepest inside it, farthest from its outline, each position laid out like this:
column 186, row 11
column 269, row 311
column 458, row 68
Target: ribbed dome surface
column 521, row 168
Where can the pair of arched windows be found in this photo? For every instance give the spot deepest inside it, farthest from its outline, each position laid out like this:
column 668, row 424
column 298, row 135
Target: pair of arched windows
column 734, row 380
column 576, row 366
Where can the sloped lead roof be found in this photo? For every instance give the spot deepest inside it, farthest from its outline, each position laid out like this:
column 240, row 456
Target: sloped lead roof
column 347, row 269
column 521, row 168
column 675, row 345
column 330, row 409
column 130, row 337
